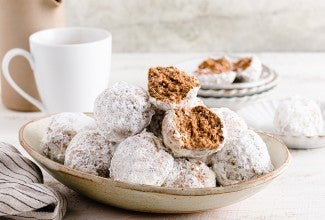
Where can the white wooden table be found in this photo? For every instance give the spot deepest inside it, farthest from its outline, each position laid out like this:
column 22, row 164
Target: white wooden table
column 298, row 194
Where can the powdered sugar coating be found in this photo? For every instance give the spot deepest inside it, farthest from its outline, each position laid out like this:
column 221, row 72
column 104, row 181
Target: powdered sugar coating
column 206, row 80
column 298, row 116
column 172, row 138
column 190, row 174
column 141, row 159
column 122, row 111
column 90, row 152
column 61, row 129
column 241, row 159
column 189, row 101
column 252, row 72
column 233, row 123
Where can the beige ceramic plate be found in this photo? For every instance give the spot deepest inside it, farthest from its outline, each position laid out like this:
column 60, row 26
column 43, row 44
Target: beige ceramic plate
column 150, row 198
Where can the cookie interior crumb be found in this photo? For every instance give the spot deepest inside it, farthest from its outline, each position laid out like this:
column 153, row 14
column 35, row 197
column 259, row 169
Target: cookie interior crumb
column 214, row 66
column 242, row 64
column 202, row 128
column 169, row 84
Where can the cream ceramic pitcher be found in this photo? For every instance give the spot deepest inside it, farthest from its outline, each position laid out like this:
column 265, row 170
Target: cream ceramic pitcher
column 18, row 20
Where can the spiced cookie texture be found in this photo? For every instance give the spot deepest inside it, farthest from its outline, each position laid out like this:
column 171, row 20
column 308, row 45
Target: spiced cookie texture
column 90, row 152
column 190, row 173
column 141, row 159
column 298, row 116
column 249, row 69
column 170, row 88
column 60, row 131
column 122, row 111
column 241, row 159
column 215, row 71
column 193, row 132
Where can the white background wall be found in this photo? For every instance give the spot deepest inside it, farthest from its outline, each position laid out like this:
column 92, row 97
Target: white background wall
column 205, row 25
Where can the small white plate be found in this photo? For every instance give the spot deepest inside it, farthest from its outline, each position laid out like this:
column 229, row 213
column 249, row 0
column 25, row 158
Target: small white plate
column 189, row 66
column 259, row 116
column 239, row 92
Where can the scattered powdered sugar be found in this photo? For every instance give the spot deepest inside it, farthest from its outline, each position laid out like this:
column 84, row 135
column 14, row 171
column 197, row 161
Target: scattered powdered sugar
column 141, row 159
column 122, row 111
column 298, row 116
column 190, row 174
column 61, row 129
column 252, row 72
column 242, row 159
column 90, row 152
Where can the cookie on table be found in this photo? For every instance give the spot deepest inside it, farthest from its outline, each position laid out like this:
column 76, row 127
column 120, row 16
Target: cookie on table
column 60, row 131
column 298, row 116
column 249, row 69
column 190, row 173
column 141, row 159
column 122, row 111
column 242, row 158
column 193, row 132
column 215, row 71
column 171, row 88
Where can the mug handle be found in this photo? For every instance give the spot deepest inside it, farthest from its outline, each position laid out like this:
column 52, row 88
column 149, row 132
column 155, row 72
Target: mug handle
column 5, row 71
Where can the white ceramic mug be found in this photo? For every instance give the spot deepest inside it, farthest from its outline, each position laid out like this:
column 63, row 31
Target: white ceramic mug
column 71, row 67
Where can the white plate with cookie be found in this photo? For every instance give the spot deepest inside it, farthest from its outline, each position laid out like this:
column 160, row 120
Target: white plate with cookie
column 191, row 65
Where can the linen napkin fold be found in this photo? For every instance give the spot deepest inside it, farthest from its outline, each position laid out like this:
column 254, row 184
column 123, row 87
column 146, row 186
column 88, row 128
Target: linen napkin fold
column 22, row 192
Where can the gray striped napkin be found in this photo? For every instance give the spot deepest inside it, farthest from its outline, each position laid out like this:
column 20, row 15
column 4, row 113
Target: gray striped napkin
column 22, row 194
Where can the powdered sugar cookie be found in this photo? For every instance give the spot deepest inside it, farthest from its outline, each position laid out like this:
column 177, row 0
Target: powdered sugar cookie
column 248, row 69
column 241, row 159
column 215, row 71
column 122, row 111
column 196, row 132
column 90, row 152
column 170, row 88
column 190, row 174
column 62, row 128
column 298, row 116
column 141, row 159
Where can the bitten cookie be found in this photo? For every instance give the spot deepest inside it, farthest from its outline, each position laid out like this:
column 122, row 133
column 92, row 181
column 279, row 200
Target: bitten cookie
column 215, row 72
column 90, row 152
column 170, row 88
column 241, row 159
column 196, row 132
column 122, row 111
column 141, row 159
column 248, row 69
column 61, row 129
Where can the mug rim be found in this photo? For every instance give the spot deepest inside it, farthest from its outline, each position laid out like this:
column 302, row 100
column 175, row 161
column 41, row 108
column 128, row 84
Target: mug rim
column 34, row 38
